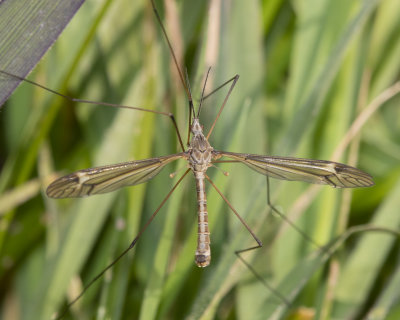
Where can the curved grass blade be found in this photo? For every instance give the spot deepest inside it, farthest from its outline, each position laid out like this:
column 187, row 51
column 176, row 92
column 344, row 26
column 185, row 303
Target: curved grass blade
column 362, row 268
column 311, row 101
column 384, row 308
column 292, row 284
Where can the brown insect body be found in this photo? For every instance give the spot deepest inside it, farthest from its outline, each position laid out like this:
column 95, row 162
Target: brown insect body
column 200, row 156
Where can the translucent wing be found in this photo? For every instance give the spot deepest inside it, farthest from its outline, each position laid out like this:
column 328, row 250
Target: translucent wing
column 335, row 174
column 108, row 178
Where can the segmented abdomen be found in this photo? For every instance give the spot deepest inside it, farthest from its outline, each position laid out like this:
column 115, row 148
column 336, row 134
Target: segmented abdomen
column 203, row 252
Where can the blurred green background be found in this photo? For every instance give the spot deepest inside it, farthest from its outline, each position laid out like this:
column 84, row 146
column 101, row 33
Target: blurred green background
column 307, row 69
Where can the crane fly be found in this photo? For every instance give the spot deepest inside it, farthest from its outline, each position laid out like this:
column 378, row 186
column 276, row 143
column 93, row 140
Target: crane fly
column 200, row 156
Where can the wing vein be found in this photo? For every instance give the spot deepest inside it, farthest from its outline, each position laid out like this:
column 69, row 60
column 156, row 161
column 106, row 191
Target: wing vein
column 335, row 174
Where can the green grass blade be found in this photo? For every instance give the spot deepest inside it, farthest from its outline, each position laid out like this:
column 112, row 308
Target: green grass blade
column 306, row 68
column 360, row 270
column 387, row 300
column 27, row 30
column 311, row 101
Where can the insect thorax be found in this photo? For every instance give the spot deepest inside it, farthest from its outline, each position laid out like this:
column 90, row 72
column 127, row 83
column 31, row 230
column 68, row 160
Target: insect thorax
column 200, row 150
column 200, row 153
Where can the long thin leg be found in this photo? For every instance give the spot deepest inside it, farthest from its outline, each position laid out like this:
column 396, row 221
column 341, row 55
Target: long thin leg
column 168, row 114
column 202, row 93
column 126, row 250
column 275, row 210
column 191, row 107
column 203, row 97
column 259, row 245
column 260, row 278
column 171, row 50
column 237, row 214
column 220, row 87
column 288, row 221
column 235, row 79
column 185, row 84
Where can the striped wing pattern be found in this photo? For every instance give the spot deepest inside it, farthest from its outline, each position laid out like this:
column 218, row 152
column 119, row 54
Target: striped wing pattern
column 335, row 174
column 108, row 178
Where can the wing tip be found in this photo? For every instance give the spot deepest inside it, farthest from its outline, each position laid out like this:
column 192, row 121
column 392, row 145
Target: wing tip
column 354, row 178
column 61, row 187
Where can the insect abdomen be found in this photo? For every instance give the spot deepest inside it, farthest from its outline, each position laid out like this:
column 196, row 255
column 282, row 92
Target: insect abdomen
column 203, row 252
